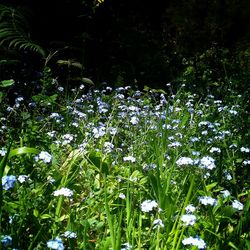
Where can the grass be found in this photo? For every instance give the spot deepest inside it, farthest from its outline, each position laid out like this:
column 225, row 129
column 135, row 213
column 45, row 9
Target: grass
column 124, row 169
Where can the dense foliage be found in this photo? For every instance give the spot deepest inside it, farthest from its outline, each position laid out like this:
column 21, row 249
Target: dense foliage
column 124, row 169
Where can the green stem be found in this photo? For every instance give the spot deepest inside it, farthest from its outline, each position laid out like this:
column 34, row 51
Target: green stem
column 182, row 212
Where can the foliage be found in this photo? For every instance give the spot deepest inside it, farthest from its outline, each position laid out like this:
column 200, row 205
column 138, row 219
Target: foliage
column 124, row 169
column 13, row 30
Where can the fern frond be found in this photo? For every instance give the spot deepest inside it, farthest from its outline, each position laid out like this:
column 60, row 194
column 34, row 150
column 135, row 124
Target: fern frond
column 13, row 31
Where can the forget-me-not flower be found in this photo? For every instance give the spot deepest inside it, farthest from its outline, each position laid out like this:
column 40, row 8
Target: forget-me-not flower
column 200, row 243
column 64, row 192
column 6, row 240
column 55, row 244
column 8, row 181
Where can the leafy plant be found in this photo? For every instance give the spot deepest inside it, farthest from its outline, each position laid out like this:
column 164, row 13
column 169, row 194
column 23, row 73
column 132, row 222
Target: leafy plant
column 14, row 31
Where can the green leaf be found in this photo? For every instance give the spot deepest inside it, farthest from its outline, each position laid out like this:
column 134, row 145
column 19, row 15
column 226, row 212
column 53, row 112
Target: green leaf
column 1, row 96
column 88, row 81
column 45, row 216
column 211, row 186
column 62, row 218
column 95, row 158
column 7, row 83
column 23, row 150
column 35, row 212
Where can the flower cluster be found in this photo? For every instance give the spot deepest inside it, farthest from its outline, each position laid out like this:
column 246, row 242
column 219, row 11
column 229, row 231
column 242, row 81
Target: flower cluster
column 64, row 192
column 56, row 244
column 148, row 205
column 8, row 181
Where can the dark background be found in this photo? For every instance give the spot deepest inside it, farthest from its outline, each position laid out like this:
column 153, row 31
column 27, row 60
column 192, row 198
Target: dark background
column 134, row 41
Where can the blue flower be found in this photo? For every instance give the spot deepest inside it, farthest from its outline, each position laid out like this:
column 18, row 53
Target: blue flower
column 6, row 240
column 8, row 181
column 55, row 244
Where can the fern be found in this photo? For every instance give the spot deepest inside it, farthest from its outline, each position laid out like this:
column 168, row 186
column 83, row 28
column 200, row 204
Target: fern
column 13, row 31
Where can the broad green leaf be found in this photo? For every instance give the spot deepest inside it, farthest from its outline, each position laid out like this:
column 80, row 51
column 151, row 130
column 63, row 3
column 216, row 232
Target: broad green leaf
column 35, row 212
column 7, row 83
column 211, row 186
column 23, row 150
column 88, row 81
column 45, row 216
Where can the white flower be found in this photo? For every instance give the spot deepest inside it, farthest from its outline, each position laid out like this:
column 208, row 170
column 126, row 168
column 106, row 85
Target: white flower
column 157, row 223
column 194, row 242
column 129, row 158
column 243, row 149
column 188, row 219
column 225, row 193
column 67, row 138
column 246, row 162
column 44, row 156
column 190, row 208
column 214, row 149
column 3, row 152
column 60, row 89
column 98, row 132
column 69, row 235
column 122, row 196
column 51, row 134
column 207, row 162
column 134, row 120
column 126, row 246
column 23, row 178
column 108, row 147
column 237, row 205
column 206, row 200
column 175, row 144
column 148, row 205
column 184, row 161
column 63, row 191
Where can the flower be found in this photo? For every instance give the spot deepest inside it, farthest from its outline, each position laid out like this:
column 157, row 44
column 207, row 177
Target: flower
column 55, row 244
column 69, row 235
column 207, row 162
column 8, row 181
column 99, row 132
column 243, row 149
column 188, row 219
column 184, row 161
column 6, row 240
column 129, row 158
column 148, row 205
column 175, row 144
column 206, row 200
column 194, row 242
column 225, row 193
column 3, row 152
column 134, row 120
column 60, row 89
column 63, row 191
column 246, row 162
column 237, row 205
column 44, row 156
column 23, row 178
column 215, row 150
column 122, row 196
column 108, row 147
column 157, row 223
column 126, row 246
column 67, row 138
column 190, row 208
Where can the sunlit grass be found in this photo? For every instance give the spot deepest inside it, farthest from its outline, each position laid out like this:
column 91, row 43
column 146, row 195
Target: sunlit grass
column 124, row 169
